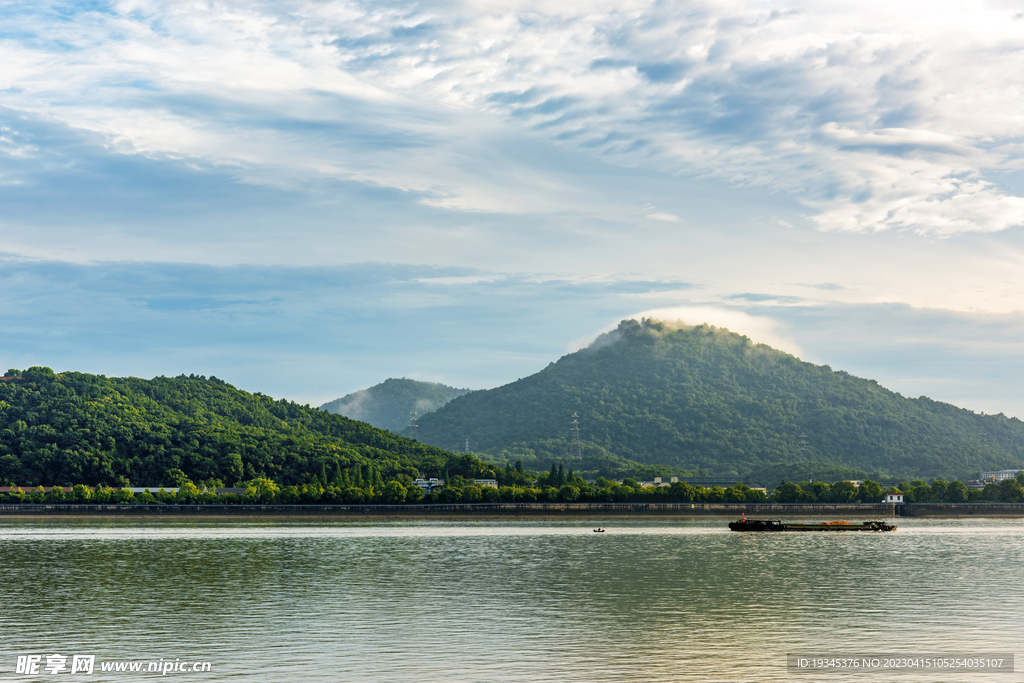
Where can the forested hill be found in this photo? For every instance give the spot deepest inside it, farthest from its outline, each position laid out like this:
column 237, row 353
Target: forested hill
column 705, row 398
column 77, row 428
column 392, row 403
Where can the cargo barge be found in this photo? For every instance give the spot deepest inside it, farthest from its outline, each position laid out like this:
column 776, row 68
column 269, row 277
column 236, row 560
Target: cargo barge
column 779, row 525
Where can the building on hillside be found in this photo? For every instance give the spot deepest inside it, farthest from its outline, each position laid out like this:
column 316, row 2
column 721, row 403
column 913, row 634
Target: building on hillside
column 429, row 485
column 486, row 482
column 989, row 477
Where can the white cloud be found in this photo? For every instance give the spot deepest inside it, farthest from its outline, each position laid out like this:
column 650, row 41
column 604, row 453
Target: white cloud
column 875, row 114
column 663, row 217
column 760, row 329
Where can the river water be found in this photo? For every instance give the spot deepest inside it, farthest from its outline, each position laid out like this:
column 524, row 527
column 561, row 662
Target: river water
column 506, row 600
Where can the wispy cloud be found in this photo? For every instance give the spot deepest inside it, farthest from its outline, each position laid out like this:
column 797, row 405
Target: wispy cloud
column 663, row 217
column 871, row 127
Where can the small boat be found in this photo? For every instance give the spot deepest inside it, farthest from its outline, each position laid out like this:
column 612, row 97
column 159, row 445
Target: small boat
column 599, row 530
column 779, row 525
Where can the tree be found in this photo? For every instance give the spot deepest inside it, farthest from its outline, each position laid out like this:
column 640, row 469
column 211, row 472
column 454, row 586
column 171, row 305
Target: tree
column 922, row 493
column 55, row 495
column 261, row 490
column 843, row 492
column 39, row 374
column 80, row 493
column 568, row 493
column 177, row 477
column 124, row 496
column 353, row 496
column 789, row 493
column 471, row 494
column 991, row 492
column 957, row 492
column 413, row 494
column 394, row 493
column 869, row 492
column 187, row 492
column 451, row 494
column 1010, row 491
column 737, row 493
column 311, row 493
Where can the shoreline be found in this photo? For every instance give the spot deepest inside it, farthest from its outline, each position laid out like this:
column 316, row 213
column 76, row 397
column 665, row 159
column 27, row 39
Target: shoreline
column 509, row 510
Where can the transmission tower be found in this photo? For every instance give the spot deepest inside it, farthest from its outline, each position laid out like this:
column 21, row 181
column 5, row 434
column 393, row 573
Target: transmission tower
column 803, row 446
column 576, row 438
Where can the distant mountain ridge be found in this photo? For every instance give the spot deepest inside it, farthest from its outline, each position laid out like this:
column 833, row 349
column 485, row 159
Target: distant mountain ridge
column 704, row 398
column 392, row 403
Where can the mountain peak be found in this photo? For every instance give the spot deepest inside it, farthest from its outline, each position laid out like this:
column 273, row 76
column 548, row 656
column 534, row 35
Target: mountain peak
column 703, row 397
column 392, row 403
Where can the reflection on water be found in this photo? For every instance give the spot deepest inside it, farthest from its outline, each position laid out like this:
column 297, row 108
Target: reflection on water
column 517, row 600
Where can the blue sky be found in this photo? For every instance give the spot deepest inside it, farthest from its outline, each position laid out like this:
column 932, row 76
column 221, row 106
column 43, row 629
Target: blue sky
column 305, row 198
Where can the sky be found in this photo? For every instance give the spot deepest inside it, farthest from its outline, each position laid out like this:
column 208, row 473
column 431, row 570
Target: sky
column 306, row 198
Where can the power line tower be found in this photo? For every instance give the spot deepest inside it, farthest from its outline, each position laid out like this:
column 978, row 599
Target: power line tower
column 803, row 446
column 576, row 438
column 412, row 424
column 467, row 446
column 983, row 444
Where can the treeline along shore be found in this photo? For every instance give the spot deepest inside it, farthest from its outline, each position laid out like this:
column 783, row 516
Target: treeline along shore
column 768, row 510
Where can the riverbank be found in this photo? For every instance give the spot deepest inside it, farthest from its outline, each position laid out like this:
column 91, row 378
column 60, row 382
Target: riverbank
column 478, row 510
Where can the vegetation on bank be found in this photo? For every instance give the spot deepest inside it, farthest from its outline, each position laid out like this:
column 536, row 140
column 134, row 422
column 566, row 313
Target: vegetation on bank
column 515, row 485
column 916, row 491
column 394, row 492
column 704, row 399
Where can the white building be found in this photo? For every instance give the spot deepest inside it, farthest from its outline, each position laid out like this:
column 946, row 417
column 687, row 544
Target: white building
column 428, row 485
column 999, row 476
column 892, row 498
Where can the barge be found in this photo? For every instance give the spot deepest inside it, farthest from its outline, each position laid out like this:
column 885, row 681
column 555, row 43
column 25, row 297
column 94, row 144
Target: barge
column 779, row 525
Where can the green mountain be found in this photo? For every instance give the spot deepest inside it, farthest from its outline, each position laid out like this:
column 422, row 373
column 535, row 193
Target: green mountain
column 73, row 428
column 703, row 399
column 391, row 404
